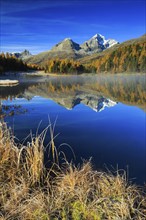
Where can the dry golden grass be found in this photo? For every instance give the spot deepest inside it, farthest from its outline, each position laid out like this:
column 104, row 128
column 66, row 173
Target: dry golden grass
column 28, row 191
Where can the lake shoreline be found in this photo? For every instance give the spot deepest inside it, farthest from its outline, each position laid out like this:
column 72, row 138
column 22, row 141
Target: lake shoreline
column 42, row 73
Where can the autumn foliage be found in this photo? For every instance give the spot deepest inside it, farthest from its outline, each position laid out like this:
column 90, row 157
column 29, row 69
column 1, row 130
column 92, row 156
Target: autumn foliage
column 63, row 66
column 130, row 58
column 127, row 58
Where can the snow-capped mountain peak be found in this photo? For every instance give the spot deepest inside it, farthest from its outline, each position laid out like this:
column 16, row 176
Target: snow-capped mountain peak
column 101, row 39
column 67, row 39
column 110, row 42
column 98, row 36
column 98, row 43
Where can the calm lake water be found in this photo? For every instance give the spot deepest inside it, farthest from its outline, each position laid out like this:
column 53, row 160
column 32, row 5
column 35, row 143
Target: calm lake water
column 102, row 117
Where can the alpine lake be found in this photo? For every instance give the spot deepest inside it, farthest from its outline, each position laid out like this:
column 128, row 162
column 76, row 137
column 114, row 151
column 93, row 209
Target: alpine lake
column 97, row 117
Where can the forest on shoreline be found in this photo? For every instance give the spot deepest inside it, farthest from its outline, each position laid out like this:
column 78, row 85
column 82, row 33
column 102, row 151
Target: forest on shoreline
column 9, row 62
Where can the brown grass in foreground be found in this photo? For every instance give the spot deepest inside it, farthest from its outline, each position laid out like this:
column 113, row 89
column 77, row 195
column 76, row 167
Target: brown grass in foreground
column 28, row 191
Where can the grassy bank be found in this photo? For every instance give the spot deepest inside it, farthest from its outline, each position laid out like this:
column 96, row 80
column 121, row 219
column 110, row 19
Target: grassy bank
column 30, row 191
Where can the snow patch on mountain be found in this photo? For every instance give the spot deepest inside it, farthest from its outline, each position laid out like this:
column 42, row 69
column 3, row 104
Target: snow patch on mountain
column 98, row 42
column 101, row 39
column 105, row 103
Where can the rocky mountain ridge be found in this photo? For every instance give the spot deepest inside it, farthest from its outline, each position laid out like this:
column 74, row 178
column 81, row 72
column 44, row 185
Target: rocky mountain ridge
column 97, row 43
column 70, row 49
column 23, row 55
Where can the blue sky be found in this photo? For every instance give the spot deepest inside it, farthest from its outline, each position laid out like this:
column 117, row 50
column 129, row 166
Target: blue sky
column 37, row 25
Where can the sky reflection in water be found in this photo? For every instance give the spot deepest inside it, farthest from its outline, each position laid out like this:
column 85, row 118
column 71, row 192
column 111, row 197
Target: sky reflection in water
column 113, row 137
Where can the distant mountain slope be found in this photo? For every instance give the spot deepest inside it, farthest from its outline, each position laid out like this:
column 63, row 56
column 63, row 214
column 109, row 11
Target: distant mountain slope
column 127, row 57
column 96, row 55
column 88, row 58
column 24, row 55
column 69, row 49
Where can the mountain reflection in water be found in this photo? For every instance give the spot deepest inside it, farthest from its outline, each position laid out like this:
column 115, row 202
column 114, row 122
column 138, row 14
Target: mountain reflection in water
column 129, row 89
column 113, row 136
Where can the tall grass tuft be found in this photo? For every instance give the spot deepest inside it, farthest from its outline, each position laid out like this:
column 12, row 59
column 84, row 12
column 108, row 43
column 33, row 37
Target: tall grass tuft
column 29, row 191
